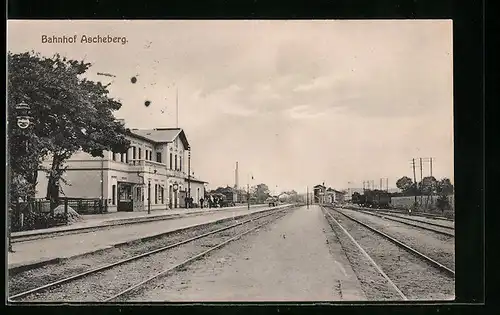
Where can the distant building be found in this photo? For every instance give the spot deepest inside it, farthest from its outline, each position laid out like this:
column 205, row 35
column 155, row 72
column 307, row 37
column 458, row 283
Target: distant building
column 334, row 196
column 319, row 194
column 327, row 195
column 154, row 167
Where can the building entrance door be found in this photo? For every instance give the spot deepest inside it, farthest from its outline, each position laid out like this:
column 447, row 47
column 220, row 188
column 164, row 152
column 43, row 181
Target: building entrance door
column 182, row 200
column 137, row 198
column 125, row 199
column 175, row 199
column 170, row 196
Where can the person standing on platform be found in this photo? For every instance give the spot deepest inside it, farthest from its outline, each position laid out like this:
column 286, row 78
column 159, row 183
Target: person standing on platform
column 201, row 202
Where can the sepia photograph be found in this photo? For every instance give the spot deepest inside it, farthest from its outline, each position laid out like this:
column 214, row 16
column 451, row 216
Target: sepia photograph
column 230, row 161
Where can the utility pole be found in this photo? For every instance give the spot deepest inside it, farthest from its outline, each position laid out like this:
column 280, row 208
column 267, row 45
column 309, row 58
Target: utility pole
column 177, row 107
column 381, row 184
column 248, row 195
column 414, row 177
column 189, row 178
column 421, row 180
column 102, row 185
column 421, row 170
column 307, row 197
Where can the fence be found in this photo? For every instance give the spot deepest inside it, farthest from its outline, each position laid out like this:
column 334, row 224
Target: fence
column 87, row 206
column 424, row 202
column 41, row 214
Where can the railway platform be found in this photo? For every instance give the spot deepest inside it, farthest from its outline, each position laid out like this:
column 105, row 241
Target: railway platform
column 52, row 249
column 296, row 258
column 122, row 218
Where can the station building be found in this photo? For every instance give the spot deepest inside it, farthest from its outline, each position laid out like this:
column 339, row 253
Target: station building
column 322, row 194
column 155, row 167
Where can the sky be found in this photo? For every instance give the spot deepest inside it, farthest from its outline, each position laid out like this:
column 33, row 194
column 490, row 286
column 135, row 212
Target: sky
column 296, row 103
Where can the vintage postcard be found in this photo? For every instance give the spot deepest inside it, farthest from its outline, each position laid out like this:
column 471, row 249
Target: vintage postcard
column 202, row 161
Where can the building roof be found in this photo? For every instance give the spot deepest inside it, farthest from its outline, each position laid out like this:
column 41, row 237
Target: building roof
column 161, row 135
column 194, row 179
column 319, row 186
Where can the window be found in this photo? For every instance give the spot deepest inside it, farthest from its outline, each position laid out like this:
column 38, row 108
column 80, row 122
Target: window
column 114, row 156
column 162, row 194
column 150, row 155
column 140, row 154
column 158, row 157
column 126, row 157
column 133, row 153
column 121, row 157
column 176, row 162
column 113, row 201
column 146, row 154
column 180, row 163
column 171, row 161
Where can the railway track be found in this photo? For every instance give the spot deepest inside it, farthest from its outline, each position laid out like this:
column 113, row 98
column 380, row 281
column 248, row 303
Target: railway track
column 90, row 285
column 416, row 214
column 405, row 276
column 429, row 226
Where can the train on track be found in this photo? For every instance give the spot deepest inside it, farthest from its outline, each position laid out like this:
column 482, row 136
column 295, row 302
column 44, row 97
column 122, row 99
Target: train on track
column 372, row 199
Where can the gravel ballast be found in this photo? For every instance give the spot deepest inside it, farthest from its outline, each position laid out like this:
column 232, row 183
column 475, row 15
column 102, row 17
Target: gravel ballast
column 414, row 277
column 291, row 259
column 437, row 246
column 104, row 284
column 415, row 223
column 375, row 286
column 447, row 223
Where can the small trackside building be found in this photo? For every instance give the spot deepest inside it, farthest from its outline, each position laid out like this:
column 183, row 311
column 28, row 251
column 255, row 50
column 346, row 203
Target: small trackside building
column 155, row 169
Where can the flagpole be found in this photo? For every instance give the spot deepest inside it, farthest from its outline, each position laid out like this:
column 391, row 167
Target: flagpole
column 177, row 108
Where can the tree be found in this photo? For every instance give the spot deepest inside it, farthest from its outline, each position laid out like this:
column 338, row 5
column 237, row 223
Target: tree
column 70, row 113
column 444, row 187
column 292, row 196
column 261, row 192
column 428, row 185
column 405, row 184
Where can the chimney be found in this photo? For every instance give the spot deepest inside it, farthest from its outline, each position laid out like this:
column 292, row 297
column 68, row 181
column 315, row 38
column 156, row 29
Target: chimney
column 236, row 176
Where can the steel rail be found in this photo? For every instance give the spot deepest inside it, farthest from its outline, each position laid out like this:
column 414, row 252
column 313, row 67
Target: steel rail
column 419, row 214
column 398, row 215
column 410, row 224
column 123, row 261
column 182, row 264
column 379, row 269
column 400, row 244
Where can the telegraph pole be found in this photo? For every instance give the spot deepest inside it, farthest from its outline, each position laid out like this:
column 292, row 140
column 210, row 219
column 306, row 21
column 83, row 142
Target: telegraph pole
column 189, row 178
column 421, row 179
column 421, row 170
column 414, row 177
column 307, row 197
